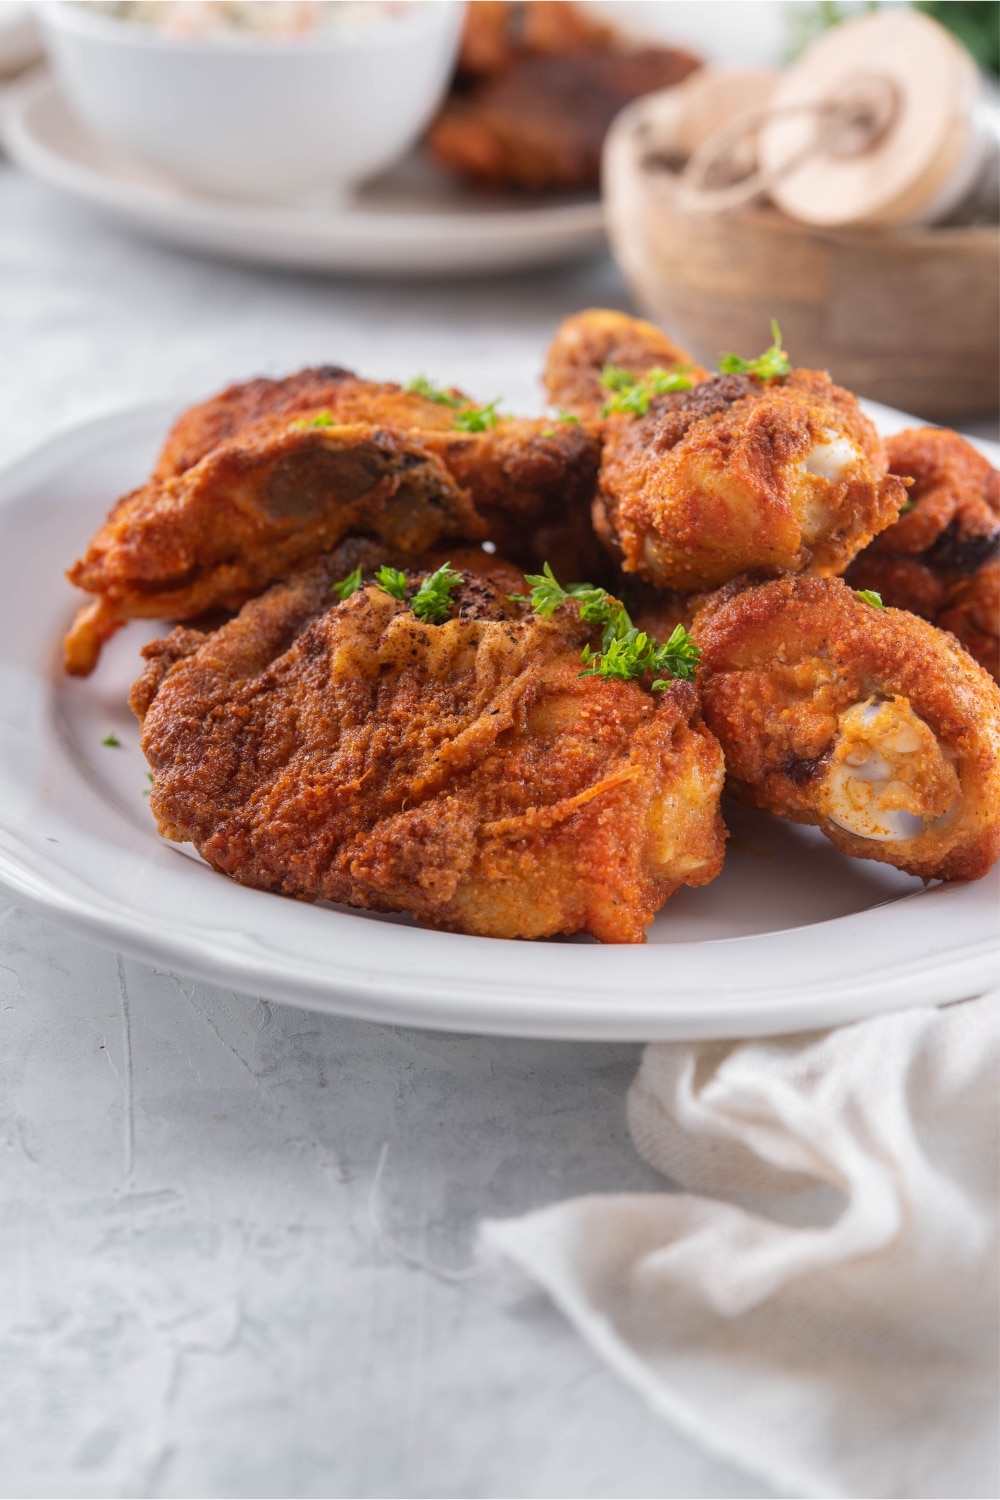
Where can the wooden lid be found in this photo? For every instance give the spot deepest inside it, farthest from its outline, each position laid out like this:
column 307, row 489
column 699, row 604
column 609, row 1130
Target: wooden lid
column 912, row 90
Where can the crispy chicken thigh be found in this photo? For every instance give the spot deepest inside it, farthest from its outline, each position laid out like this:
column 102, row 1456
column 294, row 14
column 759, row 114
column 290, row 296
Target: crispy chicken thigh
column 941, row 559
column 271, row 472
column 588, row 342
column 739, row 474
column 223, row 529
column 463, row 772
column 871, row 724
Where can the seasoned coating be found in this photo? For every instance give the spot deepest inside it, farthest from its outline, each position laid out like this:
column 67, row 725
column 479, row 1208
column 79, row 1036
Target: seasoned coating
column 463, row 772
column 216, row 534
column 739, row 475
column 871, row 724
column 585, row 343
column 520, row 473
column 941, row 559
column 540, row 122
column 206, row 532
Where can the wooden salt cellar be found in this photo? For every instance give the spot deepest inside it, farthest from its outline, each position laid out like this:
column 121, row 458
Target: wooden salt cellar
column 905, row 315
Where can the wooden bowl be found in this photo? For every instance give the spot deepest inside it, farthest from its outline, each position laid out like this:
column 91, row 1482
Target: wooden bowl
column 908, row 317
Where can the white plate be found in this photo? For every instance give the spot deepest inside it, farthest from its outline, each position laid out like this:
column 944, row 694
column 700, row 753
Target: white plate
column 792, row 935
column 413, row 221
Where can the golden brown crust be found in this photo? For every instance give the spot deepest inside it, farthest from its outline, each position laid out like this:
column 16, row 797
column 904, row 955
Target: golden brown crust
column 254, row 507
column 785, row 661
column 463, row 772
column 940, row 559
column 737, row 475
column 585, row 343
column 207, row 532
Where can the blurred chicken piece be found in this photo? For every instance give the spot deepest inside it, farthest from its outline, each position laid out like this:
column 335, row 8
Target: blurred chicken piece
column 499, row 32
column 590, row 341
column 271, row 472
column 463, row 772
column 740, row 474
column 869, row 723
column 940, row 559
column 537, row 88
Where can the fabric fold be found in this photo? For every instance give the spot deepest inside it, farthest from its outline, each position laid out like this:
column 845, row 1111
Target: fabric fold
column 819, row 1300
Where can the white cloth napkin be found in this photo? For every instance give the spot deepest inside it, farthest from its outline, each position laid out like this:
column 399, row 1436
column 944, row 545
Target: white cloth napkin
column 819, row 1303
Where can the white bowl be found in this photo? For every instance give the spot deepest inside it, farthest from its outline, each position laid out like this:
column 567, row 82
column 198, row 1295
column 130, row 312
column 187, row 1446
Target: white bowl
column 249, row 116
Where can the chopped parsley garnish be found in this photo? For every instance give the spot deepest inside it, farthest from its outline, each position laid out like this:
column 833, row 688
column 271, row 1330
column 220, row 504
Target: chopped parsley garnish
column 869, row 596
column 478, row 418
column 439, row 393
column 392, row 581
column 432, row 601
column 321, row 419
column 567, row 416
column 626, row 653
column 631, row 393
column 112, row 741
column 347, row 586
column 770, row 365
column 149, row 784
column 906, row 507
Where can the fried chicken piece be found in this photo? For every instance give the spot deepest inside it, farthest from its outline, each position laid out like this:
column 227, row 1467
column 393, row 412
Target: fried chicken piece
column 871, row 724
column 739, row 474
column 463, row 772
column 537, row 120
column 588, row 342
column 216, row 534
column 941, row 559
column 206, row 531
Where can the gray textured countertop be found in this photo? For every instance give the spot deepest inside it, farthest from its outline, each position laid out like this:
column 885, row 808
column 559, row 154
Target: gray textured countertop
column 206, row 1290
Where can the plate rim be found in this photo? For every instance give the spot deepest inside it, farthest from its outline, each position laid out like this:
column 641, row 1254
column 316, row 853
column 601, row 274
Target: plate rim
column 439, row 997
column 174, row 211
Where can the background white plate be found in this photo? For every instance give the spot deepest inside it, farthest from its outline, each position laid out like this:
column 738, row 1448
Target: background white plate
column 413, row 221
column 792, row 935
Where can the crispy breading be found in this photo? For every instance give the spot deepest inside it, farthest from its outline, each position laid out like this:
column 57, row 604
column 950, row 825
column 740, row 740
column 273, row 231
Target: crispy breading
column 207, row 532
column 941, row 559
column 869, row 723
column 464, row 772
column 254, row 507
column 589, row 341
column 739, row 474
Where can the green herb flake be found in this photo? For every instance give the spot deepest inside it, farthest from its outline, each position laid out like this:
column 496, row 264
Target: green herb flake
column 112, row 741
column 347, row 586
column 548, row 432
column 770, row 365
column 319, row 419
column 906, row 507
column 432, row 601
column 869, row 596
column 626, row 653
column 392, row 581
column 149, row 784
column 477, row 418
column 567, row 416
column 631, row 393
column 431, row 392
